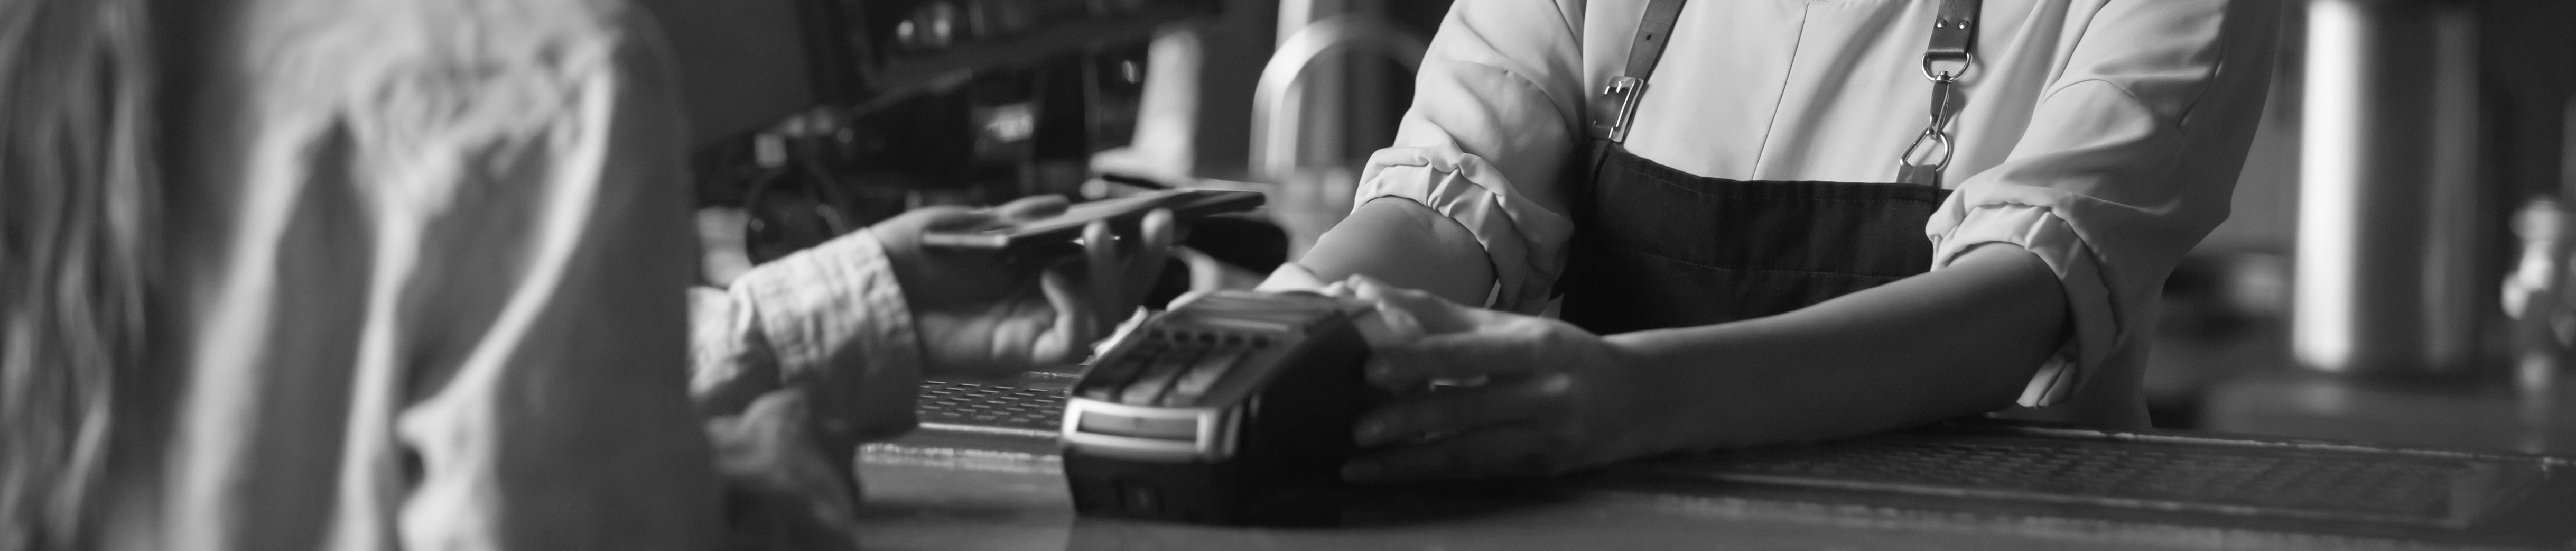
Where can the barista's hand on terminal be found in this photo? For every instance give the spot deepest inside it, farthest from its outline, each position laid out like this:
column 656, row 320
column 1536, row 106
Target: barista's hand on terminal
column 982, row 315
column 1540, row 396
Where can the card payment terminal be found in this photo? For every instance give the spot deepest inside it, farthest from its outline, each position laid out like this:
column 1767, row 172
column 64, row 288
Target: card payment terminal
column 1231, row 408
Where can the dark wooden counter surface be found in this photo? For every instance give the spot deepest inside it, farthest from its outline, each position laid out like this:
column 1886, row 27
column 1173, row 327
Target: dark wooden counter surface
column 955, row 487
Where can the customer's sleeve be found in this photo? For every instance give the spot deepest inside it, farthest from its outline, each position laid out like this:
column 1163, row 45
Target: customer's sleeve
column 2128, row 161
column 1494, row 117
column 829, row 320
column 792, row 366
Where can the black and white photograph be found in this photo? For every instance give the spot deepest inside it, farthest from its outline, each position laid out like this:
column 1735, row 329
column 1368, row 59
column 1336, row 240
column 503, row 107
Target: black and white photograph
column 1293, row 275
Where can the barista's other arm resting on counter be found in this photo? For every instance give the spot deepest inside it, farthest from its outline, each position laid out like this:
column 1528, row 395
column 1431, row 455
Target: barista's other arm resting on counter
column 2048, row 262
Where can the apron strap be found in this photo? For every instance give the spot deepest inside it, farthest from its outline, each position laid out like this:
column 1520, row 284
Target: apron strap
column 1951, row 53
column 1954, row 35
column 1612, row 110
column 1617, row 104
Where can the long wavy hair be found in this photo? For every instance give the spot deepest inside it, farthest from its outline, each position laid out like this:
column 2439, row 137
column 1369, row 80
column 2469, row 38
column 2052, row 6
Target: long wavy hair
column 78, row 201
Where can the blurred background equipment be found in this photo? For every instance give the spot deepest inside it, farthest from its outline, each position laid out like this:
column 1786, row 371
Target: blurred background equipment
column 2401, row 137
column 874, row 107
column 1302, row 155
column 920, row 102
column 2388, row 233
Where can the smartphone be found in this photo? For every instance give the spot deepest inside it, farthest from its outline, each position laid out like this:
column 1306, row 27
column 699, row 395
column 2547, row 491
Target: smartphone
column 1123, row 213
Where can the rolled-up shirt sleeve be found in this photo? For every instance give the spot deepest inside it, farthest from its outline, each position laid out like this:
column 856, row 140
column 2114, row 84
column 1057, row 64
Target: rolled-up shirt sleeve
column 2128, row 161
column 1494, row 117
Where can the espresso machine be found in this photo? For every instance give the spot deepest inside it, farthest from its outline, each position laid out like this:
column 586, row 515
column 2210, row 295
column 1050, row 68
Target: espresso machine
column 930, row 102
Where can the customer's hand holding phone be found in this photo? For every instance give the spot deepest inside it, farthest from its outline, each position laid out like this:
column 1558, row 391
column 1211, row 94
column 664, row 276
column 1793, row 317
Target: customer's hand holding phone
column 981, row 313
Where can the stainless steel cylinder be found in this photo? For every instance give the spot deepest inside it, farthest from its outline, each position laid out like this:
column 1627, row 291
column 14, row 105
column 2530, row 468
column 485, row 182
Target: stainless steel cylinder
column 2388, row 190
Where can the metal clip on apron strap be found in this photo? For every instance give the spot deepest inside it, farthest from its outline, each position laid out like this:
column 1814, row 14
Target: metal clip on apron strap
column 1952, row 51
column 1617, row 105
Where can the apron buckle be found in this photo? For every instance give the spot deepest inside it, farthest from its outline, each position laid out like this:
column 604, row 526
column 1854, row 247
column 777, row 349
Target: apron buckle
column 1616, row 107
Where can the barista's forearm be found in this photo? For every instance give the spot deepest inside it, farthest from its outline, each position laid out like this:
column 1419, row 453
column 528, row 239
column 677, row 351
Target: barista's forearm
column 1405, row 244
column 1954, row 342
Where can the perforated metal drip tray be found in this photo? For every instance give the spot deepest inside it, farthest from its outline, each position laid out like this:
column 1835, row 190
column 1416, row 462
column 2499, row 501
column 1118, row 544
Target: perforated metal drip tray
column 1032, row 406
column 2242, row 478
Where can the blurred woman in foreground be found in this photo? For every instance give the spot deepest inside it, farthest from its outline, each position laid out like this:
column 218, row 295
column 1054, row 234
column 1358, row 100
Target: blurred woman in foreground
column 379, row 274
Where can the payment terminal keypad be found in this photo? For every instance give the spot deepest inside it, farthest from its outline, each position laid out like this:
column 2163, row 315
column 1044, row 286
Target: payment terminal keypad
column 1173, row 367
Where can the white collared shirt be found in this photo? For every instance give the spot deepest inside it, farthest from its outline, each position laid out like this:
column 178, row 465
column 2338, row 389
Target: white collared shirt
column 2103, row 135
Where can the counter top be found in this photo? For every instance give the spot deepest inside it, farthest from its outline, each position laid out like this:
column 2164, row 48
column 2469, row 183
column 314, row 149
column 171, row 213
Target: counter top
column 956, row 487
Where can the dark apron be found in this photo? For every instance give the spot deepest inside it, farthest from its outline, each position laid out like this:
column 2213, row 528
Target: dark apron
column 1655, row 247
